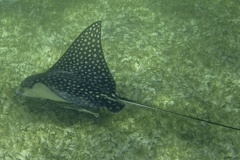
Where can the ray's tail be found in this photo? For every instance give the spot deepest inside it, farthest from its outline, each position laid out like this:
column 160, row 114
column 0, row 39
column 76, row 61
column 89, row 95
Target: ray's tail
column 128, row 101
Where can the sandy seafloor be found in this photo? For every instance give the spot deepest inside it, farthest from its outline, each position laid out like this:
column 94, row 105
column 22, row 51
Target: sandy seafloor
column 180, row 55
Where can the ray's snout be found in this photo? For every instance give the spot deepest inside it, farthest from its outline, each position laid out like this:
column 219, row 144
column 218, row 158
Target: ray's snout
column 19, row 91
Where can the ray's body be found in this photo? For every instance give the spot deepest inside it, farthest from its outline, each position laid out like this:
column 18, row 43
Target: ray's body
column 81, row 78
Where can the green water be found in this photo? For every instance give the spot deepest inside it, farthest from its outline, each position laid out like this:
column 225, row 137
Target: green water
column 177, row 55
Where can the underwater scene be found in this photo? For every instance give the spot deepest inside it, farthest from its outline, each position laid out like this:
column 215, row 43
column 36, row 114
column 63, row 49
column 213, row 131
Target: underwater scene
column 119, row 80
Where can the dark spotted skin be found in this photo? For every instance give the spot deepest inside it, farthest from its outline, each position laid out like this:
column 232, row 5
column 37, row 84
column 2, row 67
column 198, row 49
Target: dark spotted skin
column 81, row 76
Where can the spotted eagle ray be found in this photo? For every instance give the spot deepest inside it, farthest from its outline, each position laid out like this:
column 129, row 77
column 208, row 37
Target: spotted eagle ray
column 81, row 77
